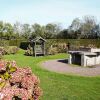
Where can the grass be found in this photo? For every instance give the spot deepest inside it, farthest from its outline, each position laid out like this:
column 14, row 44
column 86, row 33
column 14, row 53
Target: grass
column 59, row 86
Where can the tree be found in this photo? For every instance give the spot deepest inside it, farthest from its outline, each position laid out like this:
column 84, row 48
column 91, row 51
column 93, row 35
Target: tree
column 83, row 28
column 51, row 30
column 63, row 34
column 26, row 31
column 8, row 31
column 74, row 29
column 89, row 22
column 17, row 28
column 96, row 31
column 76, row 24
column 36, row 30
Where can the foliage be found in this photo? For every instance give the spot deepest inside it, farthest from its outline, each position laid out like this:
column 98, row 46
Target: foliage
column 1, row 55
column 29, row 51
column 52, row 51
column 24, row 31
column 13, row 50
column 55, row 48
column 16, row 42
column 4, row 43
column 18, row 82
column 61, row 44
column 2, row 51
column 8, row 31
column 8, row 50
column 85, row 28
column 75, row 43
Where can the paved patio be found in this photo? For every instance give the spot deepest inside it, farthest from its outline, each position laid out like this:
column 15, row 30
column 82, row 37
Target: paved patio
column 61, row 66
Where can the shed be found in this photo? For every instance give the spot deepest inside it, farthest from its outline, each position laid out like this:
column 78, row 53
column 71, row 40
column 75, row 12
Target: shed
column 38, row 45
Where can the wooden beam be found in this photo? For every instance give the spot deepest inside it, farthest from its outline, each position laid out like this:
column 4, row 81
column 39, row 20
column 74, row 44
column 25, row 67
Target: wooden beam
column 35, row 49
column 44, row 47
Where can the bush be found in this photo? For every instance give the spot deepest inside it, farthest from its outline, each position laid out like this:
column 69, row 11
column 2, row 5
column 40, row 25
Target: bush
column 8, row 50
column 1, row 56
column 18, row 83
column 2, row 50
column 13, row 49
column 53, row 51
column 62, row 48
column 29, row 51
column 4, row 43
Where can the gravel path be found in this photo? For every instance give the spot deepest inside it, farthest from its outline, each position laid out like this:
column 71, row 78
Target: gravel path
column 63, row 67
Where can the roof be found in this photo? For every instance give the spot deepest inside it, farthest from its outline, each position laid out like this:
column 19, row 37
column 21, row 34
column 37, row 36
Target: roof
column 37, row 39
column 88, row 53
column 82, row 53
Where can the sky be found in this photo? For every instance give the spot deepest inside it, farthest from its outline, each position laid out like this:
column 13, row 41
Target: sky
column 47, row 11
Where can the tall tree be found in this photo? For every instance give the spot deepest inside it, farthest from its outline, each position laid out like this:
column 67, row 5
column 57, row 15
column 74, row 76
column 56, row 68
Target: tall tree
column 17, row 27
column 96, row 31
column 51, row 30
column 74, row 29
column 63, row 34
column 8, row 31
column 76, row 24
column 26, row 31
column 36, row 30
column 89, row 22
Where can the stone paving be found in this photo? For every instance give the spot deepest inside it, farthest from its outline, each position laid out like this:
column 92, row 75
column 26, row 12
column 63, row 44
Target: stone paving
column 60, row 66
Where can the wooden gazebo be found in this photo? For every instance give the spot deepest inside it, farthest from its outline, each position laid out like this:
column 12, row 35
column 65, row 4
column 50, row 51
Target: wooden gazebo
column 38, row 45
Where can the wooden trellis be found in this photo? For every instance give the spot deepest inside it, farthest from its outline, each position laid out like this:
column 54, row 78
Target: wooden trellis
column 38, row 45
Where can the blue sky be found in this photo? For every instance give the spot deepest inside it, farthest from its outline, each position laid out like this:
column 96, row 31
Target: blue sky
column 47, row 11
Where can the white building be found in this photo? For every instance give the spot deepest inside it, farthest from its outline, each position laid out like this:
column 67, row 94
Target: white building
column 85, row 57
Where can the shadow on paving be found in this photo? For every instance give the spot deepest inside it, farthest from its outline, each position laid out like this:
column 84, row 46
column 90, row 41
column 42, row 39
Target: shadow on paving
column 63, row 61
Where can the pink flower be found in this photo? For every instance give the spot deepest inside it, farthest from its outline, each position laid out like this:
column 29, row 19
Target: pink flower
column 22, row 84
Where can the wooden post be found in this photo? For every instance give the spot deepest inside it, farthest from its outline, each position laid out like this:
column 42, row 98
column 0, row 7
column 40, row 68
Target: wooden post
column 35, row 49
column 44, row 48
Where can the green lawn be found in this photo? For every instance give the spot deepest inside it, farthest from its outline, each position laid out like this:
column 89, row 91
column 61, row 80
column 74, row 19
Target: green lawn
column 59, row 86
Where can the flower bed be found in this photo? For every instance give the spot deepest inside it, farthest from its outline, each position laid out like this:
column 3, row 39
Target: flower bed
column 18, row 83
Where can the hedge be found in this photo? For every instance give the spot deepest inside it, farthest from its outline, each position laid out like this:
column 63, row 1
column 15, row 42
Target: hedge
column 16, row 42
column 23, row 43
column 81, row 42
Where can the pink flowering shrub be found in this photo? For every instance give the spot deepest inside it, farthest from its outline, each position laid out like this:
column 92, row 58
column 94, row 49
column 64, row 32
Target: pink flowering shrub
column 18, row 83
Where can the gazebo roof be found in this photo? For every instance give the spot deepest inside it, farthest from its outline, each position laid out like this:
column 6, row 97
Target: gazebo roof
column 37, row 39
